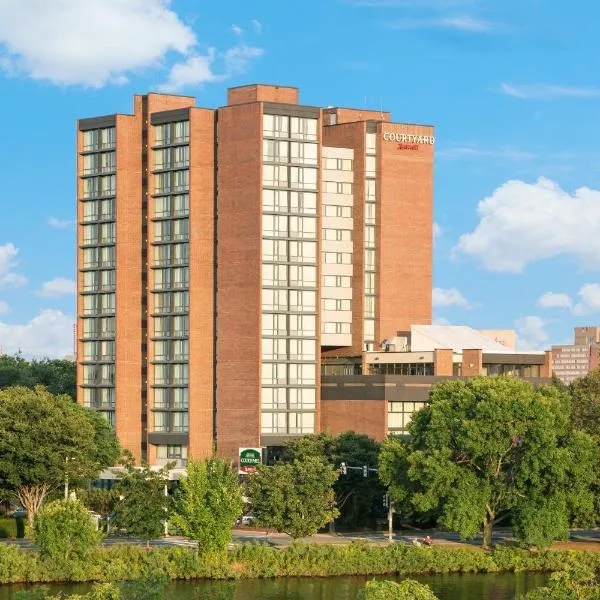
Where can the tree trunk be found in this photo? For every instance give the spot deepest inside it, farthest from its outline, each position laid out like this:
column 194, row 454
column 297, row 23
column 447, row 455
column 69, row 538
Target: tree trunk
column 32, row 497
column 488, row 526
column 332, row 527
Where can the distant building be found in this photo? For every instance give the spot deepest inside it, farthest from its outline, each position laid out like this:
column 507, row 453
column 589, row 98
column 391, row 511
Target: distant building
column 573, row 361
column 506, row 337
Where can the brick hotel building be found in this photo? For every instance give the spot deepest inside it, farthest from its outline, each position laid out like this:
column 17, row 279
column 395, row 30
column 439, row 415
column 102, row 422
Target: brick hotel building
column 225, row 254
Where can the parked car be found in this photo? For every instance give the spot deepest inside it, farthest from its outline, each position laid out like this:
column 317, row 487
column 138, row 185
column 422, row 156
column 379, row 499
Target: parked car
column 245, row 520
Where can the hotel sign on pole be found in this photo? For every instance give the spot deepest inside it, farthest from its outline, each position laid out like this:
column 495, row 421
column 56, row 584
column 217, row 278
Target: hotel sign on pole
column 249, row 459
column 408, row 141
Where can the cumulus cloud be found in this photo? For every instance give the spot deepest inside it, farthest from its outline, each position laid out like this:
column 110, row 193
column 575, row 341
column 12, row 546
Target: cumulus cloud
column 553, row 300
column 4, row 307
column 8, row 277
column 89, row 43
column 521, row 223
column 49, row 334
column 548, row 92
column 442, row 297
column 531, row 333
column 58, row 223
column 590, row 299
column 257, row 26
column 56, row 288
column 236, row 30
column 458, row 23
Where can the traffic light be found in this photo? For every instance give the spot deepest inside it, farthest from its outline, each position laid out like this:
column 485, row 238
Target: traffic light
column 365, row 471
column 343, row 468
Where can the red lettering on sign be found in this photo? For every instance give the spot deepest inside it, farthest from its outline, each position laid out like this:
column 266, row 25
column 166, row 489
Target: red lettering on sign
column 407, row 147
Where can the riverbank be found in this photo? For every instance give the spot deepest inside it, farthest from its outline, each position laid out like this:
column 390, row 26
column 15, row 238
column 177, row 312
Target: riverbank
column 128, row 562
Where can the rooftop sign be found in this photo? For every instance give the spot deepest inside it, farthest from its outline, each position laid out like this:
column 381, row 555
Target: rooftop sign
column 408, row 138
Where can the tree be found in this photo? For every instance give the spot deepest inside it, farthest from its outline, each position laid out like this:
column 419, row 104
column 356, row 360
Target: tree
column 64, row 530
column 408, row 589
column 208, row 502
column 575, row 583
column 143, row 505
column 46, row 440
column 295, row 498
column 358, row 498
column 585, row 401
column 487, row 449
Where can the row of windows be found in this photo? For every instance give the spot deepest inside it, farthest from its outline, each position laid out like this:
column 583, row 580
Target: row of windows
column 95, row 164
column 401, row 369
column 284, row 398
column 338, row 164
column 290, row 152
column 175, row 398
column 336, row 327
column 172, row 133
column 369, row 236
column 513, row 370
column 336, row 304
column 281, row 126
column 99, row 304
column 171, row 421
column 99, row 281
column 288, row 349
column 98, row 210
column 98, row 374
column 98, row 351
column 171, row 302
column 98, row 397
column 289, row 325
column 166, row 350
column 171, row 254
column 337, row 187
column 98, row 327
column 102, row 233
column 289, row 276
column 334, row 210
column 289, row 251
column 284, row 226
column 171, row 181
column 172, row 452
column 369, row 329
column 337, row 235
column 94, row 187
column 99, row 139
column 288, row 373
column 172, row 158
column 177, row 373
column 172, row 206
column 289, row 300
column 337, row 258
column 174, row 277
column 289, row 201
column 338, row 281
column 174, row 326
column 400, row 414
column 293, row 177
column 103, row 256
column 287, row 422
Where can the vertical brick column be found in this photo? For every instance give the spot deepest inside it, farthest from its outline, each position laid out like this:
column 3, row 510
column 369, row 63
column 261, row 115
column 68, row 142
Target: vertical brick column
column 472, row 363
column 442, row 362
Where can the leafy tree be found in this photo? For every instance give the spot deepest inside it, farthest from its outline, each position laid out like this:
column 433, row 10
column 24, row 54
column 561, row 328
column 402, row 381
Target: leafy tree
column 47, row 439
column 358, row 498
column 585, row 400
column 491, row 448
column 576, row 583
column 408, row 589
column 295, row 498
column 99, row 500
column 208, row 503
column 64, row 530
column 57, row 375
column 143, row 506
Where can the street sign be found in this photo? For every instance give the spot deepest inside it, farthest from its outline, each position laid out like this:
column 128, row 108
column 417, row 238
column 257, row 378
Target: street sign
column 249, row 459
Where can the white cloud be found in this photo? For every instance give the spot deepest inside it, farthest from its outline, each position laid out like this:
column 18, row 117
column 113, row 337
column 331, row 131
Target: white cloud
column 531, row 333
column 554, row 300
column 88, row 43
column 49, row 334
column 55, row 288
column 8, row 278
column 257, row 26
column 437, row 230
column 521, row 223
column 440, row 321
column 548, row 92
column 199, row 69
column 58, row 223
column 459, row 23
column 236, row 30
column 4, row 307
column 590, row 299
column 442, row 297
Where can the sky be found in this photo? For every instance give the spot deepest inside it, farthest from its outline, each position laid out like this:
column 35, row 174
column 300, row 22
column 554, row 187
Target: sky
column 511, row 87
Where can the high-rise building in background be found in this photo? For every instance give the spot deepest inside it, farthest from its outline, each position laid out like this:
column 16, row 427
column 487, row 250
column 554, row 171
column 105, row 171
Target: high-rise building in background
column 573, row 361
column 224, row 254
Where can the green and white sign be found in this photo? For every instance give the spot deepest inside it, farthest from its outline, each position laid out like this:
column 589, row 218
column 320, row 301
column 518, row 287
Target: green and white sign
column 250, row 458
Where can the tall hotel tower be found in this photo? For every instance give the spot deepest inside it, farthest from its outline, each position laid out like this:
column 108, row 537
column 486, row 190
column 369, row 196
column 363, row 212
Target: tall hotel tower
column 223, row 254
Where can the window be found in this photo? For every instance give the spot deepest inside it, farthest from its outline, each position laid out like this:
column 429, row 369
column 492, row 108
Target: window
column 274, row 275
column 369, row 236
column 336, row 327
column 98, row 163
column 334, row 210
column 107, row 233
column 107, row 209
column 275, row 175
column 90, row 211
column 90, row 187
column 303, row 153
column 171, row 452
column 303, row 227
column 274, row 398
column 369, row 260
column 301, row 374
column 369, row 213
column 180, row 277
column 180, row 229
column 369, row 329
column 275, row 225
column 274, row 349
column 107, row 280
column 302, row 349
column 171, row 181
column 302, row 128
column 181, row 132
column 337, row 235
column 337, row 187
column 275, row 201
column 275, row 151
column 302, row 325
column 337, row 304
column 275, row 126
column 274, row 373
column 302, row 300
column 274, row 250
column 274, row 324
column 338, row 164
column 90, row 257
column 303, row 178
column 302, row 398
column 371, row 143
column 337, row 281
column 369, row 307
column 338, row 258
column 303, row 251
column 304, row 276
column 303, row 202
column 370, row 190
column 370, row 166
column 274, row 299
column 369, row 283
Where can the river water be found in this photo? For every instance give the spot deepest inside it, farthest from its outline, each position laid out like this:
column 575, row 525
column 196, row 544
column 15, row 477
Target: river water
column 504, row 586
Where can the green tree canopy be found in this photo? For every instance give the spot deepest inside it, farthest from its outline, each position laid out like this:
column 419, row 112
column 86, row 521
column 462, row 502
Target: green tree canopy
column 295, row 498
column 47, row 439
column 489, row 448
column 208, row 502
column 57, row 375
column 585, row 401
column 358, row 498
column 143, row 507
column 575, row 583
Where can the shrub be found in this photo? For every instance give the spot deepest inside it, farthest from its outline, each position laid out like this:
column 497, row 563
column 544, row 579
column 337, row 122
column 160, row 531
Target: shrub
column 64, row 530
column 11, row 527
column 409, row 589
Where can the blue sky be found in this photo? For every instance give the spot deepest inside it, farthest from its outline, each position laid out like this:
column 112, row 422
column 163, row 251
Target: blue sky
column 511, row 87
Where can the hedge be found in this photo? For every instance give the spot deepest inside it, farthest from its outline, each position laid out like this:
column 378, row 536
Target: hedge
column 12, row 527
column 127, row 562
